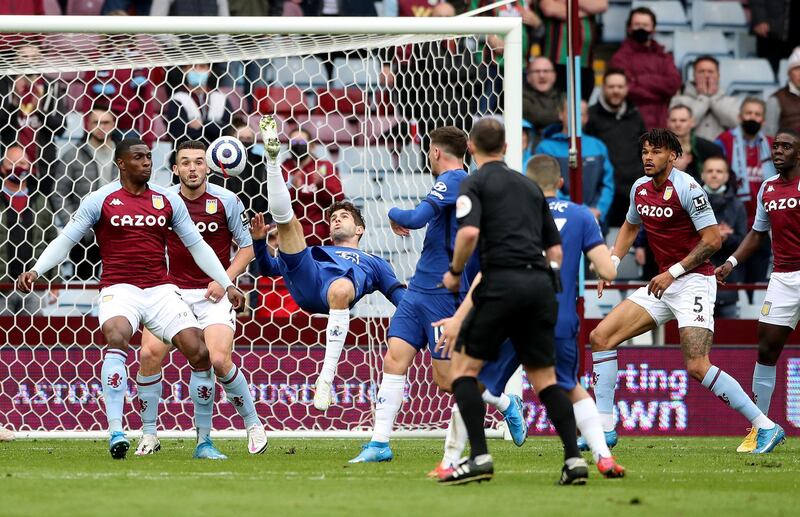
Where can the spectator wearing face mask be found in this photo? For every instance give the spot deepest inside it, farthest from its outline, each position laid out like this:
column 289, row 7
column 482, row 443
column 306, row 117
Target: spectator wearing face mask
column 732, row 220
column 197, row 111
column 314, row 185
column 26, row 227
column 748, row 152
column 250, row 184
column 652, row 76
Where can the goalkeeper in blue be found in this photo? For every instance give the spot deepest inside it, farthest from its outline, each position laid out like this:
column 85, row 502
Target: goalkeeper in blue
column 321, row 279
column 426, row 301
column 580, row 233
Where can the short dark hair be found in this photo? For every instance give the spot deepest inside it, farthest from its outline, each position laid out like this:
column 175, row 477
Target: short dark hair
column 641, row 10
column 681, row 107
column 753, row 100
column 488, row 135
column 450, row 138
column 706, row 57
column 125, row 146
column 349, row 207
column 660, row 137
column 614, row 71
column 189, row 144
column 788, row 131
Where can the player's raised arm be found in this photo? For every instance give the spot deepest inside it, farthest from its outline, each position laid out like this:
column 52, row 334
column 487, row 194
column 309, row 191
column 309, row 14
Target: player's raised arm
column 267, row 264
column 87, row 215
column 201, row 252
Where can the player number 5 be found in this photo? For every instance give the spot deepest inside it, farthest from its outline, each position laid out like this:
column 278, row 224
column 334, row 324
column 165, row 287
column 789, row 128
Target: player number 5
column 698, row 307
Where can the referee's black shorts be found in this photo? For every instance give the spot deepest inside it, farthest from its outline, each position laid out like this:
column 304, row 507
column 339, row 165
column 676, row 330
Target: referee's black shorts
column 516, row 304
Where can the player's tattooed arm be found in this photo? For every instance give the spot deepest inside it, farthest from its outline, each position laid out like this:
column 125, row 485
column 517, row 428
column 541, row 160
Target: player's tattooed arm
column 710, row 243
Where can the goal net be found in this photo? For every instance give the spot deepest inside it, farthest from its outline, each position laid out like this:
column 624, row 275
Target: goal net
column 365, row 93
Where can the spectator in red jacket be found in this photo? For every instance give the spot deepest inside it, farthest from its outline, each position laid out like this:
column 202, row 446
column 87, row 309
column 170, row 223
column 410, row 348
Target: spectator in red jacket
column 652, row 76
column 316, row 186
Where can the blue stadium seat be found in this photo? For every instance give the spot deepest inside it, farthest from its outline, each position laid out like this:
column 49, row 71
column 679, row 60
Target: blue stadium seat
column 746, row 76
column 689, row 45
column 355, row 72
column 305, row 72
column 613, row 20
column 670, row 14
column 726, row 16
column 783, row 71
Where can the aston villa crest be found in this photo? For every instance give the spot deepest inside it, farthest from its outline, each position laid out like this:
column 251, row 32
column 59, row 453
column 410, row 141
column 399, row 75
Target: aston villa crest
column 158, row 202
column 667, row 193
column 211, row 206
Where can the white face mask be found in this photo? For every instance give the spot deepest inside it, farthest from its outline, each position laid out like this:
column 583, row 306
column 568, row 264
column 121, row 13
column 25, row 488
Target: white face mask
column 720, row 190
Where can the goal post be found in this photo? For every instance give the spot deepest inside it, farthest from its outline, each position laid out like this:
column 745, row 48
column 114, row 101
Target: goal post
column 347, row 81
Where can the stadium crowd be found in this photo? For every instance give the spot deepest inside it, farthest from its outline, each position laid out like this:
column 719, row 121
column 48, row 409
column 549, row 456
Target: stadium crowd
column 638, row 84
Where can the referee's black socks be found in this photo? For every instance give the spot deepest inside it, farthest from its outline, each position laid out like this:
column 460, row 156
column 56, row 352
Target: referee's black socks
column 473, row 411
column 559, row 410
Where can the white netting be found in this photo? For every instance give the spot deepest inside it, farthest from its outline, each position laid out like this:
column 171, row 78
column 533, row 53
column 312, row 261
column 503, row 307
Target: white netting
column 368, row 104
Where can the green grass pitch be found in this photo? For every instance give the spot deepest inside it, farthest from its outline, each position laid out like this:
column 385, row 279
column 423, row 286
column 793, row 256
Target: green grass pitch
column 680, row 476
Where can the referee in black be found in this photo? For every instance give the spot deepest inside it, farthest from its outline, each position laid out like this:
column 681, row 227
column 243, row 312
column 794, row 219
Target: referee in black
column 514, row 297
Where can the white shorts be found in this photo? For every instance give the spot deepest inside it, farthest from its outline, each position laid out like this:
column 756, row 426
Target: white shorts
column 207, row 312
column 690, row 299
column 159, row 308
column 782, row 302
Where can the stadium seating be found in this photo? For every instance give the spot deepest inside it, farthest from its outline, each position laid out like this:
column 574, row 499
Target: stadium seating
column 305, row 73
column 723, row 15
column 346, row 101
column 354, row 71
column 288, row 101
column 689, row 45
column 783, row 71
column 748, row 76
column 613, row 21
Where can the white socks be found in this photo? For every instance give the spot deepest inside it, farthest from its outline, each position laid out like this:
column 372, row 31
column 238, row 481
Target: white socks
column 280, row 202
column 115, row 384
column 456, row 439
column 390, row 398
column 763, row 386
column 588, row 421
column 501, row 403
column 335, row 333
column 605, row 382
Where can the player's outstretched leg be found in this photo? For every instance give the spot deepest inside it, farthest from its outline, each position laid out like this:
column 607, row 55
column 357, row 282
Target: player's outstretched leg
column 201, row 388
column 627, row 320
column 117, row 331
column 696, row 344
column 341, row 294
column 280, row 201
column 587, row 419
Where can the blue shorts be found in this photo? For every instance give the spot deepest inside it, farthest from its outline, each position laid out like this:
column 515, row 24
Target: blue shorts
column 412, row 319
column 496, row 374
column 308, row 282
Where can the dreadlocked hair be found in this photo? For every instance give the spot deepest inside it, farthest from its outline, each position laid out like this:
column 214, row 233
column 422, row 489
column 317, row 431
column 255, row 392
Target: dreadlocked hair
column 659, row 137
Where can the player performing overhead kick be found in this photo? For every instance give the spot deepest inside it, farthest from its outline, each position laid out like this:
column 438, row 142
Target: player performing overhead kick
column 132, row 221
column 321, row 279
column 778, row 210
column 683, row 234
column 427, row 301
column 220, row 218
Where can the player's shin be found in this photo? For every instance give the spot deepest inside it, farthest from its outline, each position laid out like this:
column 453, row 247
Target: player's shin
column 473, row 411
column 201, row 386
column 115, row 383
column 335, row 334
column 148, row 394
column 455, row 440
column 390, row 398
column 605, row 382
column 763, row 386
column 727, row 389
column 238, row 391
column 587, row 419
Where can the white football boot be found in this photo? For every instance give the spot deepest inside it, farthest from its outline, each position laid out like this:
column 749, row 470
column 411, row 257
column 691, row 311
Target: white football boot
column 149, row 444
column 256, row 439
column 323, row 394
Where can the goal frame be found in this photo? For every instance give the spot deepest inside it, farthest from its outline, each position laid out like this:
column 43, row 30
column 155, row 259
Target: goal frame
column 510, row 29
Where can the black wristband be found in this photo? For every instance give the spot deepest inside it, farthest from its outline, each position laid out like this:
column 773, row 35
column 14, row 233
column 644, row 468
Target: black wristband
column 453, row 271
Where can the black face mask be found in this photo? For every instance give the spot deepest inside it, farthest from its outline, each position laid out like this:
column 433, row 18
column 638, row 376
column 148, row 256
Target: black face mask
column 299, row 150
column 641, row 35
column 751, row 127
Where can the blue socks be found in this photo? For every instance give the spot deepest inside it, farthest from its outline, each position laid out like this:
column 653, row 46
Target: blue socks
column 605, row 382
column 148, row 395
column 729, row 391
column 201, row 387
column 115, row 383
column 238, row 391
column 763, row 386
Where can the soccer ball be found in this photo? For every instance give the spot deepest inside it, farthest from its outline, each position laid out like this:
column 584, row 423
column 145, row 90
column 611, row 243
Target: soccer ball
column 226, row 155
